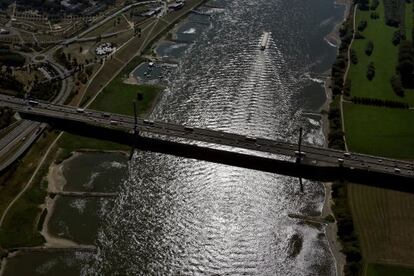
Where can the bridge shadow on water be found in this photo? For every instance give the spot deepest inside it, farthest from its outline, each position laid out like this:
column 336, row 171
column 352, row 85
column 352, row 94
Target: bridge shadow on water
column 232, row 158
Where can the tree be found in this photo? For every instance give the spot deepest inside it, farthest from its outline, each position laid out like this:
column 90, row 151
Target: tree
column 363, row 4
column 405, row 65
column 369, row 48
column 371, row 71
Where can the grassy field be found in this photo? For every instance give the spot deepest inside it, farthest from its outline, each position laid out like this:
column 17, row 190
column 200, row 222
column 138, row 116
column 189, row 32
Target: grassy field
column 409, row 20
column 380, row 131
column 384, row 219
column 117, row 97
column 388, row 270
column 384, row 57
column 20, row 225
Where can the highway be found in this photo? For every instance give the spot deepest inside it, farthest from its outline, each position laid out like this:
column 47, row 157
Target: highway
column 27, row 132
column 316, row 156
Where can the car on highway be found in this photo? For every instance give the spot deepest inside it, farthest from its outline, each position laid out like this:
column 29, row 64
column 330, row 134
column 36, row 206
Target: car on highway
column 148, row 122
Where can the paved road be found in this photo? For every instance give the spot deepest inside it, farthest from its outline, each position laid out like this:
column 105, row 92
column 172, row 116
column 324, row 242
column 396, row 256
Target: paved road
column 28, row 127
column 102, row 22
column 27, row 132
column 317, row 156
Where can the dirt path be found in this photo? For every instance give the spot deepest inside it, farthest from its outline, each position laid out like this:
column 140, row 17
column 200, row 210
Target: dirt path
column 346, row 75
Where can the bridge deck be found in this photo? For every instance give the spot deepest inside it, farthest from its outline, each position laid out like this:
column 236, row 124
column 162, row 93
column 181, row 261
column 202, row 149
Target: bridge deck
column 313, row 155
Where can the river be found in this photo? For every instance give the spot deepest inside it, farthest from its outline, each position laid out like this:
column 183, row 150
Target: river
column 176, row 216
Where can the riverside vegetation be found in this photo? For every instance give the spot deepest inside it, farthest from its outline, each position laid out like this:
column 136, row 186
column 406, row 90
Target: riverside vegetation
column 375, row 98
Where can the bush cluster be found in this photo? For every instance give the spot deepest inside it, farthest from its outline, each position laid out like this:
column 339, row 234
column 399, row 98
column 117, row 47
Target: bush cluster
column 347, row 88
column 370, row 71
column 354, row 57
column 369, row 48
column 336, row 135
column 374, row 15
column 362, row 25
column 374, row 5
column 397, row 85
column 358, row 35
column 394, row 9
column 396, row 38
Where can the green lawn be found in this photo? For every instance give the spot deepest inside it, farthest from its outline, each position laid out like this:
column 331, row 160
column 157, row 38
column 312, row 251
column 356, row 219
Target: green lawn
column 388, row 270
column 20, row 226
column 384, row 57
column 117, row 97
column 381, row 131
column 409, row 20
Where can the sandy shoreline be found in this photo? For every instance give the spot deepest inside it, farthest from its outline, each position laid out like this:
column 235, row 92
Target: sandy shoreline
column 56, row 182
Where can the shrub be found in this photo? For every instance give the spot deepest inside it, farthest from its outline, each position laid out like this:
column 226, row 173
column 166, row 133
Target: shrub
column 369, row 48
column 358, row 35
column 374, row 5
column 363, row 4
column 396, row 38
column 347, row 88
column 397, row 85
column 362, row 25
column 354, row 57
column 374, row 15
column 371, row 71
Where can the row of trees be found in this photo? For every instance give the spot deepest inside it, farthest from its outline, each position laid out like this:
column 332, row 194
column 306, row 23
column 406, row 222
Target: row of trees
column 379, row 102
column 405, row 66
column 394, row 9
column 335, row 136
column 339, row 66
column 346, row 231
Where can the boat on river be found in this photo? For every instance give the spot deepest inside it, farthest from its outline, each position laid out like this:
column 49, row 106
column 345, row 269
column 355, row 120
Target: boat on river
column 265, row 40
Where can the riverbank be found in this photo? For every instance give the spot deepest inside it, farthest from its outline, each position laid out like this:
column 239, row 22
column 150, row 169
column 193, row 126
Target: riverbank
column 331, row 230
column 56, row 182
column 107, row 101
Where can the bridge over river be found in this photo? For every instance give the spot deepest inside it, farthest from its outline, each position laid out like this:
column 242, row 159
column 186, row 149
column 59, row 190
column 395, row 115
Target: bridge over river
column 273, row 156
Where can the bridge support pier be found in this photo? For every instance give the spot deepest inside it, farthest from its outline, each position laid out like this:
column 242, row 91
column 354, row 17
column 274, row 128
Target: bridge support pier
column 135, row 130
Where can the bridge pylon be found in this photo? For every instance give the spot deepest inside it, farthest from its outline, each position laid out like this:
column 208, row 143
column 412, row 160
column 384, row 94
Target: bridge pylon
column 136, row 134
